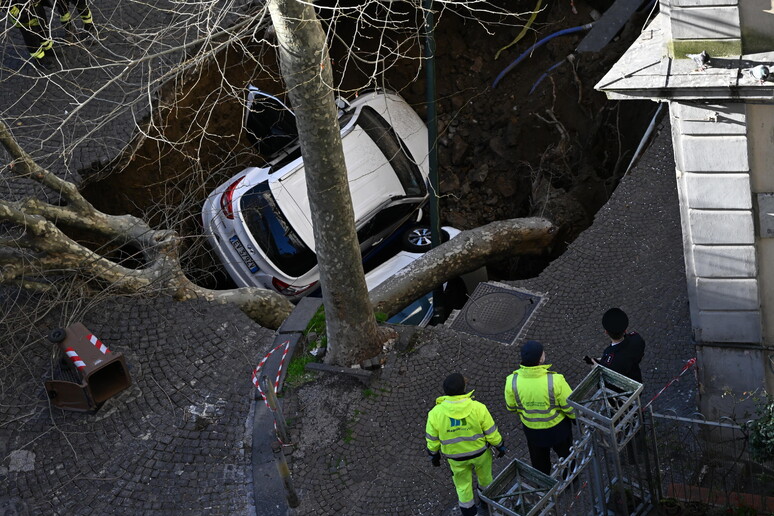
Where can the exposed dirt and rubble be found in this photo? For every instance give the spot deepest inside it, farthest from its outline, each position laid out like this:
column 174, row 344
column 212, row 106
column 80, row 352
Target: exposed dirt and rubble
column 504, row 152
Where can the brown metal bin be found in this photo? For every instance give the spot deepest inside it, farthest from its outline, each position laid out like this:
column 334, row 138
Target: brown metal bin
column 93, row 373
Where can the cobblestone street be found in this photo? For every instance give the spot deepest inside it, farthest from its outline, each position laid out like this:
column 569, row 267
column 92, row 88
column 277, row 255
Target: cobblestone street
column 181, row 439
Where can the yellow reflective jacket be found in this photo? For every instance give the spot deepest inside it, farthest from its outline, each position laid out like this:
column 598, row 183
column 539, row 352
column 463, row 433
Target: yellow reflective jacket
column 539, row 396
column 460, row 427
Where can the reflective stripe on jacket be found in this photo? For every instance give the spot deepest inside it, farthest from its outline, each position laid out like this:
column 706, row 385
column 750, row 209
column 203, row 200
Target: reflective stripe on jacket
column 460, row 427
column 539, row 396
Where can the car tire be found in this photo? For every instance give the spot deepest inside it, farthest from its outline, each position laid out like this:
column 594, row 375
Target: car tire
column 418, row 240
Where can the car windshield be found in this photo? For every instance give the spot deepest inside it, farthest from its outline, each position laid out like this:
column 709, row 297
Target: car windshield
column 273, row 234
column 295, row 153
column 394, row 150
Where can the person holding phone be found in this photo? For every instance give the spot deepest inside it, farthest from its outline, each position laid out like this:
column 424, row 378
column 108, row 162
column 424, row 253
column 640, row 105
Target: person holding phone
column 626, row 349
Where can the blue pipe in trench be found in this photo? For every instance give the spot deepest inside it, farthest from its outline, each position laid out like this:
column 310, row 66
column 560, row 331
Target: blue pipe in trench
column 536, row 45
column 545, row 74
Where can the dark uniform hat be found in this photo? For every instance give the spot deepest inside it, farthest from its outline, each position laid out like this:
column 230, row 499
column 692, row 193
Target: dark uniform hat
column 454, row 385
column 615, row 321
column 531, row 351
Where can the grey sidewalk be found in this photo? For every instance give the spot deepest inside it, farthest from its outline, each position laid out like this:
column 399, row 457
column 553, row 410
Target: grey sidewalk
column 80, row 111
column 178, row 441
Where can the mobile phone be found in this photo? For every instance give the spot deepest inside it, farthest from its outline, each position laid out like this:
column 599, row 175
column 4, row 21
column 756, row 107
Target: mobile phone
column 588, row 360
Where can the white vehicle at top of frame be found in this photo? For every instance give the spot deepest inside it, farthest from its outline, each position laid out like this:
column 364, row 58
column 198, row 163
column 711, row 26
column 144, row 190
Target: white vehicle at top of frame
column 259, row 222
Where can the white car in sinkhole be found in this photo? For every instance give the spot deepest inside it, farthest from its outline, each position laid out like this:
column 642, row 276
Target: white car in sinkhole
column 259, row 222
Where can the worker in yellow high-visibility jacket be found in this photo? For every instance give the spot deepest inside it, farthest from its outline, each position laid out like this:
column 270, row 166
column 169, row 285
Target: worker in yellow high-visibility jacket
column 539, row 396
column 463, row 430
column 66, row 18
column 30, row 17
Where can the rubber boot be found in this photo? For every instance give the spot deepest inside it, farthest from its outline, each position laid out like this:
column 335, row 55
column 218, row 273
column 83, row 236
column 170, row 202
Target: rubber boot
column 469, row 511
column 43, row 58
column 89, row 28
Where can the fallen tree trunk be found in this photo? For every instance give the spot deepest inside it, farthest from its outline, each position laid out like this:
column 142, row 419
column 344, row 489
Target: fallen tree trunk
column 464, row 253
column 40, row 248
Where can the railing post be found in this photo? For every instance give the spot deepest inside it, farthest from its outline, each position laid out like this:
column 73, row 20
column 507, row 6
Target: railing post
column 284, row 471
column 279, row 419
column 283, row 437
column 651, row 436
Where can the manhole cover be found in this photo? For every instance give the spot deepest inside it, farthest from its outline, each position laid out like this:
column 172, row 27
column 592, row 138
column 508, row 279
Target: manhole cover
column 496, row 312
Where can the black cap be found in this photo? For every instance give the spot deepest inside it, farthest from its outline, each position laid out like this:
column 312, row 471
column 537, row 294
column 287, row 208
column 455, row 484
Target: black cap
column 454, row 385
column 615, row 321
column 531, row 351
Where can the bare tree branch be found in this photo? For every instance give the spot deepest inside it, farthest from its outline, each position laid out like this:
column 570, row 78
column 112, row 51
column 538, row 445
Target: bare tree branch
column 55, row 251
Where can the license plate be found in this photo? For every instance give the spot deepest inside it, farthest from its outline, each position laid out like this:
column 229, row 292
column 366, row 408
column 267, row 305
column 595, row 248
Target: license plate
column 240, row 249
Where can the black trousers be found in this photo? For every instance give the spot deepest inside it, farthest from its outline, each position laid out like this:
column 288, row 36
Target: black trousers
column 31, row 22
column 63, row 6
column 541, row 442
column 540, row 456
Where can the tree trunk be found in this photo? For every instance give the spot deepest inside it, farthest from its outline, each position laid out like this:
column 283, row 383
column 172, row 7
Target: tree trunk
column 306, row 69
column 42, row 248
column 464, row 253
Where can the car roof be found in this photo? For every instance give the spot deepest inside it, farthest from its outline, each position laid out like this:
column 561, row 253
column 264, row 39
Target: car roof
column 389, row 268
column 372, row 182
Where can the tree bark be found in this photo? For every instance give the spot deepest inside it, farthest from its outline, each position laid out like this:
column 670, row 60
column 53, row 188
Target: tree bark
column 306, row 69
column 464, row 253
column 43, row 248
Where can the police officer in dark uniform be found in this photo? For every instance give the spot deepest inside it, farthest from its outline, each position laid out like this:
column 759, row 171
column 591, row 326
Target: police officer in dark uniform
column 626, row 349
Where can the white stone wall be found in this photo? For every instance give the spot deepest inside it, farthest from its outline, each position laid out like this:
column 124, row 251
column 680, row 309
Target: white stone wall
column 714, row 23
column 760, row 126
column 705, row 19
column 716, row 203
column 757, row 20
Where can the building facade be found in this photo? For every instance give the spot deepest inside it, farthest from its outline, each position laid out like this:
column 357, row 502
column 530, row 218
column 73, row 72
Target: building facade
column 722, row 119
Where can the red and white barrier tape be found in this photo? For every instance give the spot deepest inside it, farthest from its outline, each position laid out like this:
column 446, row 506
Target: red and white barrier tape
column 70, row 352
column 577, row 496
column 257, row 370
column 98, row 344
column 282, row 362
column 690, row 363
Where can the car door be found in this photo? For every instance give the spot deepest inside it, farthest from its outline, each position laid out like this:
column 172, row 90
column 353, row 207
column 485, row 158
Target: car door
column 382, row 226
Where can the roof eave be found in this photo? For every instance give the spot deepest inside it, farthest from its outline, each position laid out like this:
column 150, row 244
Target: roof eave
column 646, row 72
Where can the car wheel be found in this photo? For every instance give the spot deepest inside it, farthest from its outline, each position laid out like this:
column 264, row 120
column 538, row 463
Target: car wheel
column 418, row 239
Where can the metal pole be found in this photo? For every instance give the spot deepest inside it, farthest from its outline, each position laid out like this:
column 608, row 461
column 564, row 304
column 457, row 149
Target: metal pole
column 597, row 487
column 283, row 436
column 284, row 471
column 439, row 304
column 657, row 495
column 279, row 419
column 617, row 483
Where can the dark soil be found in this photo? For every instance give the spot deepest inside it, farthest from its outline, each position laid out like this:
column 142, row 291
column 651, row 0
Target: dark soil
column 503, row 153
